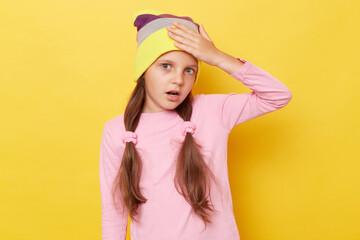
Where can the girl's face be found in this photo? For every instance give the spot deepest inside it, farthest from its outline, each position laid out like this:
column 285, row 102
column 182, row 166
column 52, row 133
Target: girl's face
column 173, row 71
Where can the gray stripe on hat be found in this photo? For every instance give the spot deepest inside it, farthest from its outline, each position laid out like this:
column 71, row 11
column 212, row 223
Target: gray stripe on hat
column 158, row 24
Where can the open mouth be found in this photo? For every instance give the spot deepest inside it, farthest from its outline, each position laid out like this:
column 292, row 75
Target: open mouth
column 174, row 93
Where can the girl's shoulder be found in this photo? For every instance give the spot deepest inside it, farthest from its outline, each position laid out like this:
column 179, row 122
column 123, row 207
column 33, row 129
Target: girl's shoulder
column 198, row 98
column 114, row 129
column 209, row 100
column 116, row 124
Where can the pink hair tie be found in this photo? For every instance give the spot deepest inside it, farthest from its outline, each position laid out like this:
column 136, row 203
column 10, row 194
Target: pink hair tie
column 130, row 136
column 188, row 127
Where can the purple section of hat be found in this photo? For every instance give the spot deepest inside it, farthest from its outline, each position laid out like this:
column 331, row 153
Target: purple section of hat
column 144, row 19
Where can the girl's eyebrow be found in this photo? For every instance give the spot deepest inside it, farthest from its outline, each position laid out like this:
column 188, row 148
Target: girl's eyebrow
column 166, row 60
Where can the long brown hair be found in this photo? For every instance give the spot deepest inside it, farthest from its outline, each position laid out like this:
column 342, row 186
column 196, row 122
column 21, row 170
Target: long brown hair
column 192, row 173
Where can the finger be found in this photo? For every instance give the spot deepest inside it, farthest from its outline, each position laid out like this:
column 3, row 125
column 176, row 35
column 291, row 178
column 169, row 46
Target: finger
column 181, row 39
column 181, row 35
column 185, row 28
column 181, row 32
column 184, row 47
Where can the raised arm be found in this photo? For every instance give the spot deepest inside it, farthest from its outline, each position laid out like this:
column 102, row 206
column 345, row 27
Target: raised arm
column 268, row 94
column 228, row 63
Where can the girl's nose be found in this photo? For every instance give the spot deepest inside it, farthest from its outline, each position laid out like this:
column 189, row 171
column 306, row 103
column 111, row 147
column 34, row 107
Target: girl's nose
column 178, row 78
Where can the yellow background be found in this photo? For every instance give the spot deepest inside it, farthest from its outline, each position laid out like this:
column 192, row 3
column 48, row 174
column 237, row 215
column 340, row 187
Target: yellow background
column 66, row 68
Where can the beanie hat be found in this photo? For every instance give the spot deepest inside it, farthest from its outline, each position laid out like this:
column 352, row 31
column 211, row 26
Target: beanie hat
column 153, row 39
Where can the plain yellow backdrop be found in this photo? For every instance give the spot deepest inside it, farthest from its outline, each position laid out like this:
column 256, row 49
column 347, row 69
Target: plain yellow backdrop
column 66, row 68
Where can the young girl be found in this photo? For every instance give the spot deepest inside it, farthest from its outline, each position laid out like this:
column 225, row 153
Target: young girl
column 163, row 162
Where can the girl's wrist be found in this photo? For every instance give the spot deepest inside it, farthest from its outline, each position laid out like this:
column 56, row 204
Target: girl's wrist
column 228, row 63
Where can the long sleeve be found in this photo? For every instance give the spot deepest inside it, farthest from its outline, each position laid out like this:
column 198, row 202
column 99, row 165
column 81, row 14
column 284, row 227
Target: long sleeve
column 113, row 224
column 268, row 94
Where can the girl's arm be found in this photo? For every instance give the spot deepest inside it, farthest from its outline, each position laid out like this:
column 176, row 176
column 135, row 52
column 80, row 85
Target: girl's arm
column 113, row 224
column 268, row 94
column 228, row 63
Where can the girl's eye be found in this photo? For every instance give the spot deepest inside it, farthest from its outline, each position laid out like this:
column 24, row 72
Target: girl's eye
column 165, row 64
column 191, row 70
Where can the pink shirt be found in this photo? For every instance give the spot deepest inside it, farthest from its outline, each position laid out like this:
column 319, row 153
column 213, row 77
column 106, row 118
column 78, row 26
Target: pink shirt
column 166, row 214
